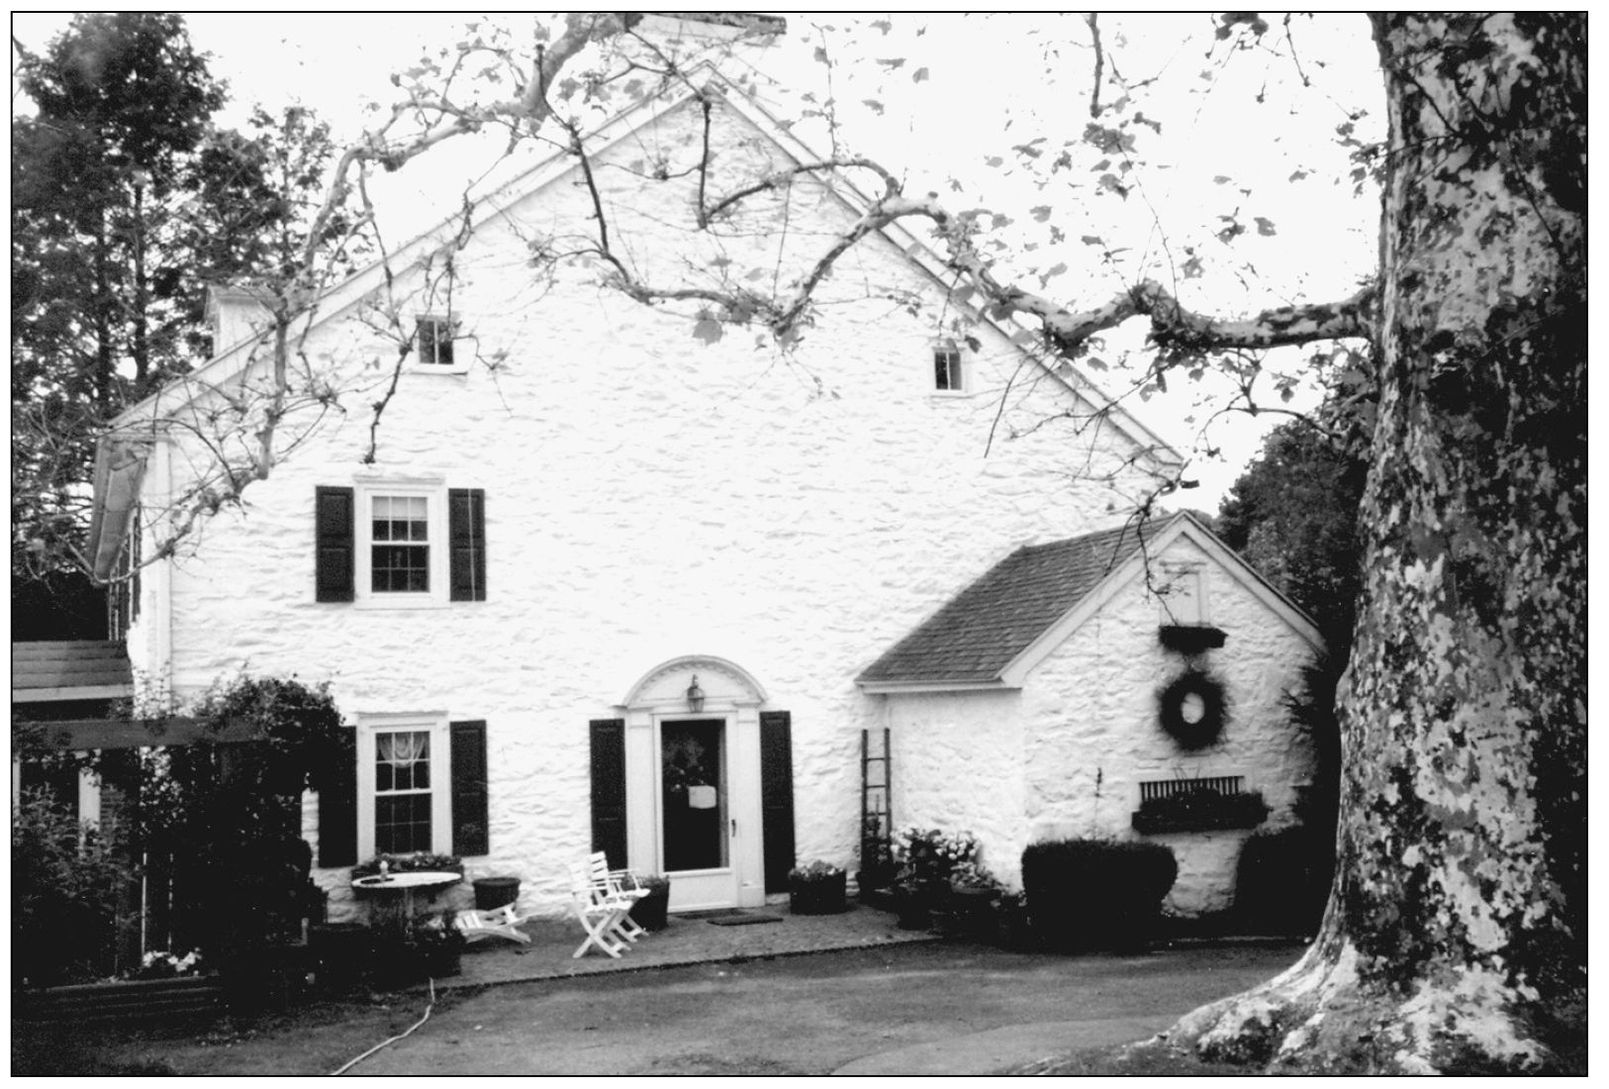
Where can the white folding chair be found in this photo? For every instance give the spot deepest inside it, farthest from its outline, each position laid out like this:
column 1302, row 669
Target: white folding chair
column 503, row 922
column 597, row 911
column 620, row 885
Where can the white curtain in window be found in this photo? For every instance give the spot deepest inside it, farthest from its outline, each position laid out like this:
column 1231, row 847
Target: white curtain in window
column 403, row 750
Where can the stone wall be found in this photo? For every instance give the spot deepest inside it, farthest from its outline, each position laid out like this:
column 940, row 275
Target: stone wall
column 648, row 495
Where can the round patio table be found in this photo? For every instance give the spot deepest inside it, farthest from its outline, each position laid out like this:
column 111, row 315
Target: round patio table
column 405, row 883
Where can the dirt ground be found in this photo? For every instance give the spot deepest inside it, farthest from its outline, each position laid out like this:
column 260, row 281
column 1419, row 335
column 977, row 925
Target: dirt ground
column 787, row 1015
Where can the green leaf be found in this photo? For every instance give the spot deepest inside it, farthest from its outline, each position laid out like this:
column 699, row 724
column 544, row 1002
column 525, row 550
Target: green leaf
column 919, row 75
column 892, row 63
column 1265, row 227
column 708, row 330
column 875, row 106
column 1040, row 213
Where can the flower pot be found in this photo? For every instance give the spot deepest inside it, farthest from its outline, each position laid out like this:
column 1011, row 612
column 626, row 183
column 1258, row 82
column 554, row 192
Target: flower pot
column 913, row 908
column 819, row 895
column 650, row 911
column 496, row 892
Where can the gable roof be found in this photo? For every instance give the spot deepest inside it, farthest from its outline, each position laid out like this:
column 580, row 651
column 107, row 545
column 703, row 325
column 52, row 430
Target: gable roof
column 996, row 630
column 129, row 437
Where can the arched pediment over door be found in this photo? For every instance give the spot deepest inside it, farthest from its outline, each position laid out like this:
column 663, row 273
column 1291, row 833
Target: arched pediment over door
column 707, row 782
column 663, row 689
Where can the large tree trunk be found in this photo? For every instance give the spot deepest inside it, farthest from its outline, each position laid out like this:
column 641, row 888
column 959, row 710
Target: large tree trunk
column 1455, row 936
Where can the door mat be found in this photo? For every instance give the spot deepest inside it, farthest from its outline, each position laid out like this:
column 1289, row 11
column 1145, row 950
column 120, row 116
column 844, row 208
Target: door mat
column 741, row 918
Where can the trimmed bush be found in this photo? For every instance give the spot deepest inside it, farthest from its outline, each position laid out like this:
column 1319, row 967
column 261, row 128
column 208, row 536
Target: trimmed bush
column 1282, row 882
column 1096, row 893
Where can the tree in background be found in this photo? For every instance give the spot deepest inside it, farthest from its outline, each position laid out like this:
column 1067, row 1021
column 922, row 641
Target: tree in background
column 1293, row 514
column 126, row 203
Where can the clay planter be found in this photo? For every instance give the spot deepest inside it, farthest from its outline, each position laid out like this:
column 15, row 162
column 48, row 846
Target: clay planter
column 914, row 908
column 818, row 895
column 649, row 911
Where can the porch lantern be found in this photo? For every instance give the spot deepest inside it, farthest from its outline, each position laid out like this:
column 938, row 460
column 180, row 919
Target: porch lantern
column 695, row 696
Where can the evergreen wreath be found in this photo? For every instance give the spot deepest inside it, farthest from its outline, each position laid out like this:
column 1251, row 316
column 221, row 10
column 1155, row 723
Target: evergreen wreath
column 1172, row 699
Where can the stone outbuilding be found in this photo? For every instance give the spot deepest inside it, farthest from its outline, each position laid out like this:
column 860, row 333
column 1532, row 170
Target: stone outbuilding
column 1080, row 688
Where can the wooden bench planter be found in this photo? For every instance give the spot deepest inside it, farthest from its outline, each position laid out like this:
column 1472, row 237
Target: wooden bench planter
column 124, row 1000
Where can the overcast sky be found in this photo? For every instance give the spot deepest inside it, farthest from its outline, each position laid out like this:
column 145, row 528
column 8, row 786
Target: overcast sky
column 1240, row 133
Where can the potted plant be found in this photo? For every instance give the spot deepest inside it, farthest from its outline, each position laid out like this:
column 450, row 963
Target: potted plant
column 649, row 912
column 817, row 889
column 973, row 890
column 429, row 948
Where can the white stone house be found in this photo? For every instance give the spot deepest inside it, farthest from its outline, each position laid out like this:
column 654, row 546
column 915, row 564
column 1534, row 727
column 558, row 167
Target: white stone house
column 1031, row 705
column 578, row 508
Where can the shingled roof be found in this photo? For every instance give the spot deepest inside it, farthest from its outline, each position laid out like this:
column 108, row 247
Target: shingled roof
column 69, row 670
column 985, row 627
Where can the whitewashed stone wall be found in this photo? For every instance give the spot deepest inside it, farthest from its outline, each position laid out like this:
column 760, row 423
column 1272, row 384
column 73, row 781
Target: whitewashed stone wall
column 1086, row 734
column 647, row 495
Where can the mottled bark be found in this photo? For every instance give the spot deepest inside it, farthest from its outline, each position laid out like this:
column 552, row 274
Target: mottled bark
column 1455, row 938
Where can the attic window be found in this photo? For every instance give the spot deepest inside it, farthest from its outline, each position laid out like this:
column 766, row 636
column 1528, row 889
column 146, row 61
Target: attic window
column 947, row 367
column 433, row 344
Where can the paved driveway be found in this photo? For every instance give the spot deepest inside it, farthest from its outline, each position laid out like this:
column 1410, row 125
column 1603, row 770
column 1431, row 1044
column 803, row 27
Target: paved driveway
column 942, row 1008
column 930, row 1008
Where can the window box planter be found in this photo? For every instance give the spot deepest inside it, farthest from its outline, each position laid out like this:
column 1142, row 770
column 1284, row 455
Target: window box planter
column 1191, row 638
column 1200, row 811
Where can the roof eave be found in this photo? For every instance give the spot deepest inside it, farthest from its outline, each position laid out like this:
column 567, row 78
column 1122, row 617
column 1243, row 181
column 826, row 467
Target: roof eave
column 902, row 687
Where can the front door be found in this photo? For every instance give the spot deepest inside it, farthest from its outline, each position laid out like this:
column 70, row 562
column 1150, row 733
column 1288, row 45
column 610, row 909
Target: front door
column 696, row 813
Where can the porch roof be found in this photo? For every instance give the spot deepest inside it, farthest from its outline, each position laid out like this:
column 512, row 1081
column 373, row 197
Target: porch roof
column 984, row 628
column 69, row 670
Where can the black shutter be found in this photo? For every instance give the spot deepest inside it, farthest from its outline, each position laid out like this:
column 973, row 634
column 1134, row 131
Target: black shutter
column 776, row 796
column 466, row 536
column 609, row 789
column 470, row 835
column 338, row 807
column 333, row 548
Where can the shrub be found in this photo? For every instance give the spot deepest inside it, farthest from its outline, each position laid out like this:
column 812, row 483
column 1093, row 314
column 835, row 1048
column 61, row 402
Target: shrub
column 1096, row 893
column 66, row 882
column 1282, row 882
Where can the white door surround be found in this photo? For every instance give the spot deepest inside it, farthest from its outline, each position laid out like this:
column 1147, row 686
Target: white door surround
column 731, row 698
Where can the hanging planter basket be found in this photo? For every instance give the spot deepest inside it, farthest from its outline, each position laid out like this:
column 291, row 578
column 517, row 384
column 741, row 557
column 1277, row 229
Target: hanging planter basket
column 1192, row 709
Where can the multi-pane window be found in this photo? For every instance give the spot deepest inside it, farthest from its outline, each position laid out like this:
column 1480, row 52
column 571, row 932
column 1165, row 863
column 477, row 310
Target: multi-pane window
column 400, row 544
column 402, row 791
column 947, row 367
column 434, row 343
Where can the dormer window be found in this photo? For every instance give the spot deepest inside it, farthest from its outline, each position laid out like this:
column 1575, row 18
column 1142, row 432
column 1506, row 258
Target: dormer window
column 947, row 375
column 433, row 343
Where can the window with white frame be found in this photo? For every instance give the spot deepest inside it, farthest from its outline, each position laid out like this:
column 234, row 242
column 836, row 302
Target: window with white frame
column 947, row 375
column 1183, row 594
column 402, row 544
column 404, row 782
column 433, row 342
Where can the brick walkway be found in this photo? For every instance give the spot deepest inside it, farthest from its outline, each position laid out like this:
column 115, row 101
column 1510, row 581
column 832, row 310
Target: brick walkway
column 683, row 941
